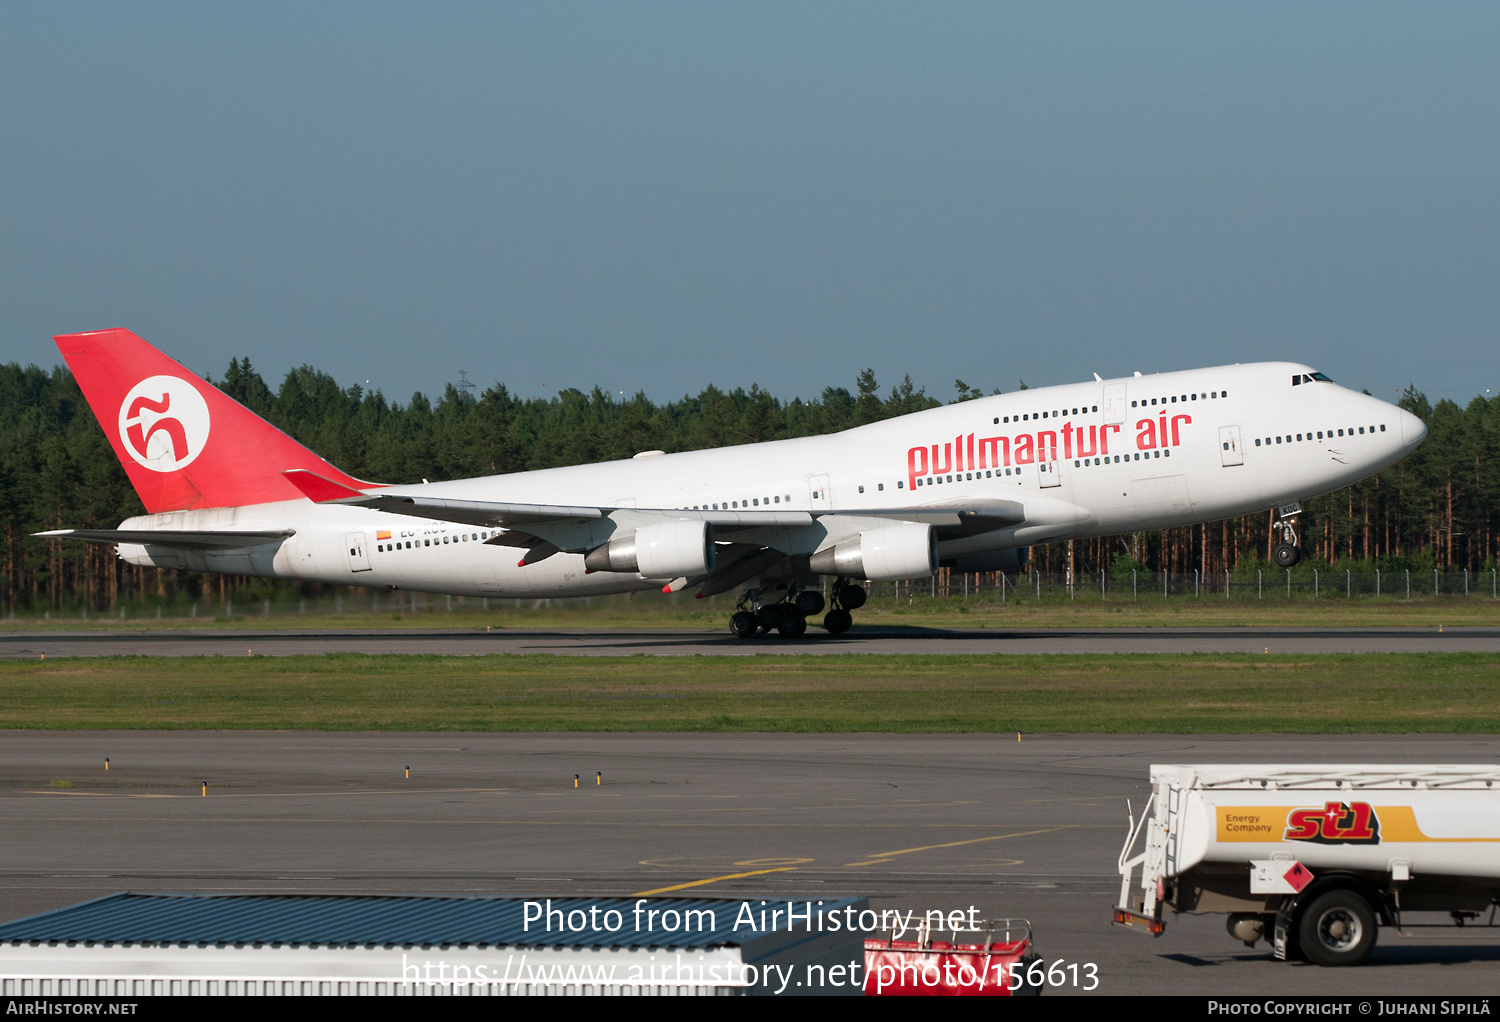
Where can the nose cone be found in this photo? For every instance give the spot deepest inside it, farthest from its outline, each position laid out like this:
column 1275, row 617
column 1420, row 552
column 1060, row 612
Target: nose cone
column 1413, row 431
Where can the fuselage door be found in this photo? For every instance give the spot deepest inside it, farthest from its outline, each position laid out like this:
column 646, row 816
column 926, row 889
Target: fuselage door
column 1047, row 475
column 1229, row 446
column 359, row 555
column 817, row 487
column 1114, row 403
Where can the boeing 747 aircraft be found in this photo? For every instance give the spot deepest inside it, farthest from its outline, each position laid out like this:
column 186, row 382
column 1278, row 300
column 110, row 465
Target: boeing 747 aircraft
column 967, row 485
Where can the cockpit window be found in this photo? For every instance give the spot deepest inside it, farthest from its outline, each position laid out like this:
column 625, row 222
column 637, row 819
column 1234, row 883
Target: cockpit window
column 1321, row 378
column 1300, row 378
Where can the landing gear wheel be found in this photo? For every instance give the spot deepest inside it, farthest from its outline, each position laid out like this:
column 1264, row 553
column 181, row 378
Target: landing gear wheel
column 852, row 597
column 837, row 622
column 792, row 626
column 742, row 624
column 769, row 616
column 1338, row 928
column 1285, row 555
column 810, row 602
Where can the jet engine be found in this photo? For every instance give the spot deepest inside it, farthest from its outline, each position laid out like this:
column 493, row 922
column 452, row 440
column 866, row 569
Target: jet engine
column 894, row 552
column 668, row 550
column 990, row 560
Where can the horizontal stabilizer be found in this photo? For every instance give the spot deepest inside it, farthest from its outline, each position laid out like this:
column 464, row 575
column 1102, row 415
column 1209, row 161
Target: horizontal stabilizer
column 318, row 489
column 184, row 538
column 483, row 513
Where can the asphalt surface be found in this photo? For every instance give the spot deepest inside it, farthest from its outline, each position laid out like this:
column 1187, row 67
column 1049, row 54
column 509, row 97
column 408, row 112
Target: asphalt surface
column 1030, row 829
column 717, row 642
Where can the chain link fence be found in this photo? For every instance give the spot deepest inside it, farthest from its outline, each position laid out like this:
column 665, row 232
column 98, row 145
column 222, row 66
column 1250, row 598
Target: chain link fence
column 1300, row 583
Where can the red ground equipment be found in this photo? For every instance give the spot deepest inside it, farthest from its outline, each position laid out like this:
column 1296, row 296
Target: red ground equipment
column 992, row 960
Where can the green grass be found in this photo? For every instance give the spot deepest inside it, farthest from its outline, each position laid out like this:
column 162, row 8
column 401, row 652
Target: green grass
column 1330, row 693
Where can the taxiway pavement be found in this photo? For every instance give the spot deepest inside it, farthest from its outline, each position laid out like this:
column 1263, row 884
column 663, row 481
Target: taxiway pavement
column 717, row 642
column 1030, row 828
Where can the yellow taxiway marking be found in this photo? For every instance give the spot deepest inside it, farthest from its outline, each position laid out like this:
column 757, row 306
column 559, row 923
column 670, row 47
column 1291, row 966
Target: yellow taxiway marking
column 266, row 794
column 713, row 880
column 880, row 858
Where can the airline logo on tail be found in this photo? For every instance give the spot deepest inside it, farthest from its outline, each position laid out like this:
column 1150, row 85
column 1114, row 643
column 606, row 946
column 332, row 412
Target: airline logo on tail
column 164, row 423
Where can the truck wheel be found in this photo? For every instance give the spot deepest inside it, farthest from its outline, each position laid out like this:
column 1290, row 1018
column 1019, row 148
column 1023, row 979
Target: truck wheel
column 1338, row 928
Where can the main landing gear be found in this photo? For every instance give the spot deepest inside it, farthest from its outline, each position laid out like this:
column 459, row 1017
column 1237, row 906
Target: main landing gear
column 788, row 615
column 1289, row 551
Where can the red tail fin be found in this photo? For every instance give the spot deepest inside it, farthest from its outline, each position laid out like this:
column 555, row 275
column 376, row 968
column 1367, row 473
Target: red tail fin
column 184, row 443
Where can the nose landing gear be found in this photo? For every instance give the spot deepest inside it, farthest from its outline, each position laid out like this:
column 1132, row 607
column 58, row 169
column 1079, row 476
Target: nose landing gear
column 1289, row 551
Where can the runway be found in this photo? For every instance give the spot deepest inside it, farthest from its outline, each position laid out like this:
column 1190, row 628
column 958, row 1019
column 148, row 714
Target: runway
column 923, row 822
column 717, row 642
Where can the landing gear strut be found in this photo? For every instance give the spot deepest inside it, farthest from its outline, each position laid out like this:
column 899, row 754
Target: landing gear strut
column 847, row 596
column 1289, row 551
column 780, row 608
column 760, row 610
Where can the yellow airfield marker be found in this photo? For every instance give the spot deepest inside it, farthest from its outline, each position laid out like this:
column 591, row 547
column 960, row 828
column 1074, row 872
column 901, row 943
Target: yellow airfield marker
column 599, row 777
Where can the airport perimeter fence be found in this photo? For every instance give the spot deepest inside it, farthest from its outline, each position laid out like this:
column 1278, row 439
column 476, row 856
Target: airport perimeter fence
column 1116, row 587
column 1137, row 585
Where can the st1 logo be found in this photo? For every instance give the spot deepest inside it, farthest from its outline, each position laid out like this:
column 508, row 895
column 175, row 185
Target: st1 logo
column 1337, row 823
column 164, row 423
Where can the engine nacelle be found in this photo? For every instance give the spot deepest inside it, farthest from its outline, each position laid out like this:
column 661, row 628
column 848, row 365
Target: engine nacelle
column 668, row 550
column 991, row 560
column 895, row 552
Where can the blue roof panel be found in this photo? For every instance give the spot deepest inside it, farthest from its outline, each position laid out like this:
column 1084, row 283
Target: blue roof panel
column 399, row 920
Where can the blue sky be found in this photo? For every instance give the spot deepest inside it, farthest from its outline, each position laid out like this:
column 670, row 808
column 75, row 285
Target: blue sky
column 657, row 197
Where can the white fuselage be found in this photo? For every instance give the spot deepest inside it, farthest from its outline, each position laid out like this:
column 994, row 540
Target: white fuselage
column 1085, row 460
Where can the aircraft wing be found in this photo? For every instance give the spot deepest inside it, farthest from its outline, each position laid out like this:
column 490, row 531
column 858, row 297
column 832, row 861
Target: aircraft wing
column 485, row 513
column 957, row 520
column 189, row 539
column 963, row 520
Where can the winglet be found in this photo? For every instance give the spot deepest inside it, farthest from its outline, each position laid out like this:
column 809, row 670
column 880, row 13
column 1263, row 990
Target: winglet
column 316, row 488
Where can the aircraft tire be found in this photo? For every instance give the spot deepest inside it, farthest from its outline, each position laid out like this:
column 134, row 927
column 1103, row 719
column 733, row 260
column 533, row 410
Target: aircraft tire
column 769, row 616
column 837, row 622
column 742, row 625
column 792, row 625
column 852, row 597
column 1285, row 555
column 810, row 602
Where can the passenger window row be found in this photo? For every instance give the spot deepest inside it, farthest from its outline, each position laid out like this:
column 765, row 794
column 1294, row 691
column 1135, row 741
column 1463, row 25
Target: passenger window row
column 1321, row 435
column 1055, row 414
column 407, row 544
column 1137, row 456
column 752, row 502
column 1212, row 395
column 958, row 477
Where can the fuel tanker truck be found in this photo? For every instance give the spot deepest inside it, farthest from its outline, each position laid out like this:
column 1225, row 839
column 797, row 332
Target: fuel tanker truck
column 1313, row 858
